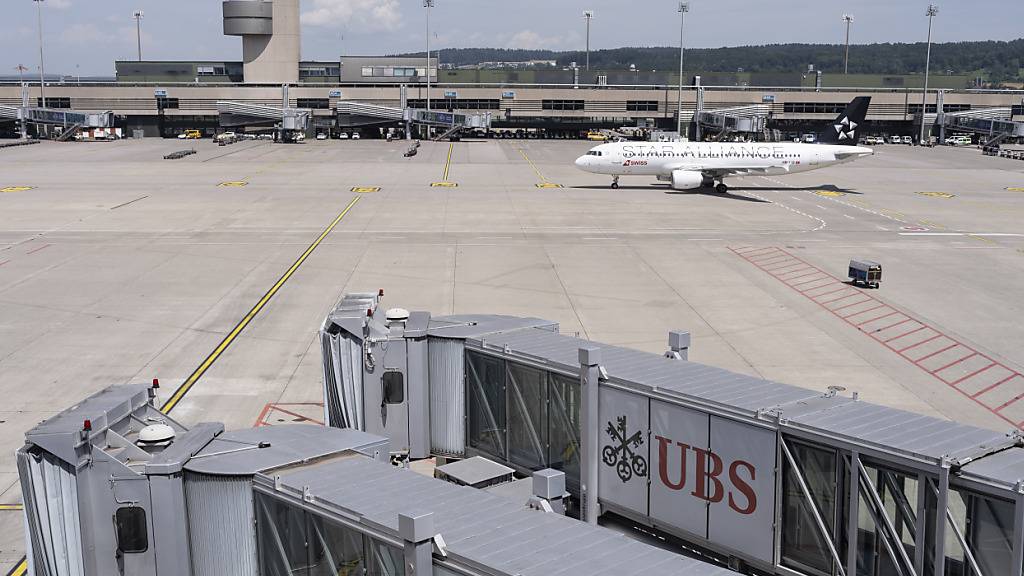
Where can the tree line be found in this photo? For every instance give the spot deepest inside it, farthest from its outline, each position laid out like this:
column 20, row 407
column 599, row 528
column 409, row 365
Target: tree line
column 996, row 61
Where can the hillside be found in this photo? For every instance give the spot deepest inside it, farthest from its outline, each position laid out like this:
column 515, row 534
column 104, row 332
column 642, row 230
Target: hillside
column 996, row 61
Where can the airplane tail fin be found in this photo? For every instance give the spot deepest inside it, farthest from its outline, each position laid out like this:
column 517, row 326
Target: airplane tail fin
column 845, row 129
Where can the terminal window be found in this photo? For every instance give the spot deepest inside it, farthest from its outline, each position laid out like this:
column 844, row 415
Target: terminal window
column 1018, row 109
column 916, row 108
column 314, row 103
column 52, row 102
column 641, row 105
column 814, row 107
column 456, row 104
column 319, row 72
column 211, row 71
column 165, row 103
column 394, row 72
column 562, row 104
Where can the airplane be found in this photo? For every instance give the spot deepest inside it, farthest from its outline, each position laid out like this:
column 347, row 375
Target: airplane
column 691, row 165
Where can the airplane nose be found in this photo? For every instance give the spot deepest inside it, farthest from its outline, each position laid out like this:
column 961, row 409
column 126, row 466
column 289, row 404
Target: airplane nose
column 581, row 161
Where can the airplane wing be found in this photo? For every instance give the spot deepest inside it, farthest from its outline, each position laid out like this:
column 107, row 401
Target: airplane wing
column 722, row 172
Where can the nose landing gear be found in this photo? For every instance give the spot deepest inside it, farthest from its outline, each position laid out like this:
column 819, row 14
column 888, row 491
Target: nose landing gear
column 615, row 182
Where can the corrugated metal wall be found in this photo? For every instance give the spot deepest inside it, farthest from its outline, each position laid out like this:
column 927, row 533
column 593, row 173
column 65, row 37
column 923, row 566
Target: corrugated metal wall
column 343, row 381
column 447, row 396
column 222, row 526
column 51, row 505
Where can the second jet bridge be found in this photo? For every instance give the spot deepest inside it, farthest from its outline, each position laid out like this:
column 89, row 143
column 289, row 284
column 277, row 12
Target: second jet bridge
column 758, row 474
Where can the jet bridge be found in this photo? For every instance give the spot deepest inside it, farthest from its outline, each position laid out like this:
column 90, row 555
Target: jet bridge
column 287, row 120
column 991, row 123
column 740, row 119
column 71, row 121
column 361, row 114
column 761, row 475
column 113, row 486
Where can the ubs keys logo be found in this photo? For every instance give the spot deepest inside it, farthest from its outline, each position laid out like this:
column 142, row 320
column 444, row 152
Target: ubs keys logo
column 621, row 455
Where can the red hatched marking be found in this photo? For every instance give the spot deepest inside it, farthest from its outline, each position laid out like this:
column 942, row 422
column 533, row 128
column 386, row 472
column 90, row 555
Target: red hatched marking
column 775, row 269
column 751, row 252
column 925, row 341
column 762, row 258
column 877, row 318
column 971, row 375
column 1006, row 405
column 293, row 411
column 812, row 281
column 840, row 298
column 804, row 291
column 865, row 301
column 936, row 353
column 770, row 260
column 774, row 259
column 954, row 363
column 840, row 289
column 994, row 386
column 904, row 321
column 914, row 331
column 872, row 309
column 816, row 272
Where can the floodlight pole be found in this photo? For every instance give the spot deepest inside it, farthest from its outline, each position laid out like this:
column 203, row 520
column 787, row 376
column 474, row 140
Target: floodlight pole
column 428, row 4
column 138, row 30
column 684, row 7
column 848, row 18
column 932, row 12
column 42, row 73
column 588, row 16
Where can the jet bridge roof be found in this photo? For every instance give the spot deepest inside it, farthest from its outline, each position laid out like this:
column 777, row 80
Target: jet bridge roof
column 479, row 528
column 987, row 456
column 651, row 373
column 247, row 451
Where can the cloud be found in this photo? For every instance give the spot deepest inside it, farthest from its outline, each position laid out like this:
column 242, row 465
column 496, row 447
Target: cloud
column 531, row 40
column 370, row 14
column 60, row 4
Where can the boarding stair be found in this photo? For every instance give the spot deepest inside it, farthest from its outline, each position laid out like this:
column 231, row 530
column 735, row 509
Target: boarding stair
column 69, row 132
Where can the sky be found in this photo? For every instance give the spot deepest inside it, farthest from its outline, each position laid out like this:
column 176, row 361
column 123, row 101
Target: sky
column 86, row 36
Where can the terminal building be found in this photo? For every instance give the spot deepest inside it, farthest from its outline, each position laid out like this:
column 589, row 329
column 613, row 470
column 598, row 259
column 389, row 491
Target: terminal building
column 169, row 97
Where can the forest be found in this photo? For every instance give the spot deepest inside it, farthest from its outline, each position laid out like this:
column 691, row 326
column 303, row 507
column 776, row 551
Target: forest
column 995, row 61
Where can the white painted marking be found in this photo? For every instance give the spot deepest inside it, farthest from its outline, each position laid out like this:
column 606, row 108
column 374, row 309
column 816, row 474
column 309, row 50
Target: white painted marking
column 850, row 217
column 932, row 234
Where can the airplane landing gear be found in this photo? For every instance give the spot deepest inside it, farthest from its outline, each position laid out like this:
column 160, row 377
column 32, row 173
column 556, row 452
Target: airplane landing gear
column 722, row 188
column 615, row 182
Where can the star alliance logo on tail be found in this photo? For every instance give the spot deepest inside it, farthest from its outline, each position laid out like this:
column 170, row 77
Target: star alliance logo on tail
column 846, row 129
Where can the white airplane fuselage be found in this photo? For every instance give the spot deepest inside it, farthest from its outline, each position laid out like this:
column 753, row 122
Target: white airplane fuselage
column 714, row 160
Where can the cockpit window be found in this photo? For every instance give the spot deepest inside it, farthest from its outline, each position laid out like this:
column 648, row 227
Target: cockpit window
column 594, row 153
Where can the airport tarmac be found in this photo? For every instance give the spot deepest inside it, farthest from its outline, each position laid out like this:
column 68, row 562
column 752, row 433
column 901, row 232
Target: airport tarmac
column 117, row 266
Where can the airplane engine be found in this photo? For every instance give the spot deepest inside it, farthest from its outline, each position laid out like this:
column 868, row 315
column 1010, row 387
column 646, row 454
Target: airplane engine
column 688, row 180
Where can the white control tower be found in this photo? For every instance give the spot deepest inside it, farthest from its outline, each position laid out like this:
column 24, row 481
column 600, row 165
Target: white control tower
column 271, row 38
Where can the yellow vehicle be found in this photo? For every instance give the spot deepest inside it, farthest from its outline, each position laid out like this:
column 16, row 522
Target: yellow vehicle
column 597, row 136
column 193, row 134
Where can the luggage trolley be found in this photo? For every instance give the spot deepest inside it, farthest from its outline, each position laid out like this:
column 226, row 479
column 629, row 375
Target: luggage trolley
column 865, row 272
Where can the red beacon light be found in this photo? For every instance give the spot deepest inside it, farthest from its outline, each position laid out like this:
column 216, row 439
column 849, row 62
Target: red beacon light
column 369, row 312
column 87, row 425
column 156, row 382
column 380, row 293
